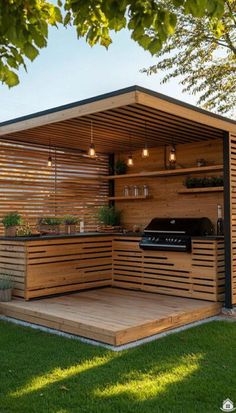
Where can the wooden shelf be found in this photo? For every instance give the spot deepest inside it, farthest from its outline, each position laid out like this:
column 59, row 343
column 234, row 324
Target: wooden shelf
column 128, row 198
column 168, row 172
column 200, row 190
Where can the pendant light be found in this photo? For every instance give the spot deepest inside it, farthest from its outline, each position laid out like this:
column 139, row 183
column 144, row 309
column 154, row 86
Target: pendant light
column 91, row 151
column 172, row 157
column 49, row 154
column 130, row 161
column 145, row 151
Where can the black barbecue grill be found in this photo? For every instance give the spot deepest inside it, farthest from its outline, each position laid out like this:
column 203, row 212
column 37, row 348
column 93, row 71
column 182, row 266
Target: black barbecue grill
column 174, row 234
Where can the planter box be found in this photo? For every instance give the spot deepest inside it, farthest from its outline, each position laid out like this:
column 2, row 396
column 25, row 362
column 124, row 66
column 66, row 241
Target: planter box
column 49, row 229
column 5, row 295
column 11, row 231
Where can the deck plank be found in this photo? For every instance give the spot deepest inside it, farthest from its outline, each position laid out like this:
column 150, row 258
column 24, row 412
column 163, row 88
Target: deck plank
column 111, row 315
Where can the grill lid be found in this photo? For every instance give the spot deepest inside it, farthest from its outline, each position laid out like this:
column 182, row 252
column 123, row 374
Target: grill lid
column 184, row 226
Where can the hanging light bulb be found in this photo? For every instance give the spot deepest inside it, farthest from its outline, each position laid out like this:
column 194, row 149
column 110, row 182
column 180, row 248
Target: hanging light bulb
column 49, row 154
column 145, row 151
column 49, row 160
column 172, row 157
column 130, row 161
column 91, row 151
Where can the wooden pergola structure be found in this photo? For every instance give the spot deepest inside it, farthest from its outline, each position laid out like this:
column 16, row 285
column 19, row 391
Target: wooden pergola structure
column 125, row 121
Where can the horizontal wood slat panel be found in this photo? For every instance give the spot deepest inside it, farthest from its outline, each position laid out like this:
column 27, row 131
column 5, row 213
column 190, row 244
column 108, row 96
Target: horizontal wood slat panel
column 43, row 267
column 13, row 263
column 71, row 186
column 113, row 126
column 232, row 154
column 199, row 274
column 84, row 263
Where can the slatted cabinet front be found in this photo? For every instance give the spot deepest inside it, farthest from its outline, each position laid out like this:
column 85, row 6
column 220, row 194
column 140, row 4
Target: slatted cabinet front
column 52, row 266
column 199, row 274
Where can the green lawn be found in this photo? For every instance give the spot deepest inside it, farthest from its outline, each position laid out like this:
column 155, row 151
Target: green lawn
column 192, row 371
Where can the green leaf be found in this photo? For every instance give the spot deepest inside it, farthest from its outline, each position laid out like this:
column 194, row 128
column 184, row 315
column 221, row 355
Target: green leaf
column 178, row 3
column 39, row 40
column 11, row 79
column 155, row 46
column 67, row 18
column 11, row 61
column 30, row 51
column 144, row 41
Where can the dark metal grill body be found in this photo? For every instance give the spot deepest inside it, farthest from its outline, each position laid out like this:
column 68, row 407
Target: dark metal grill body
column 174, row 234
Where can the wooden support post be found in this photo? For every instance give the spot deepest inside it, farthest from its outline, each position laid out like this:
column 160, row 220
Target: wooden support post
column 227, row 220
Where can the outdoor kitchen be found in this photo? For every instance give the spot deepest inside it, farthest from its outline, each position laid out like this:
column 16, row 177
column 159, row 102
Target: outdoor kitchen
column 134, row 209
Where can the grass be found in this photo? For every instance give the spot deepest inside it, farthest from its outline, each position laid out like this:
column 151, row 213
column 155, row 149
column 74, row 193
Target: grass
column 192, row 371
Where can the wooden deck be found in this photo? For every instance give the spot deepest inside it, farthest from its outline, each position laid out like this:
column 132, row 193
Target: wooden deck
column 111, row 315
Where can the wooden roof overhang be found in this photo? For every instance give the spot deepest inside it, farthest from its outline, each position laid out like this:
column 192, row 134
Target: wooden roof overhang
column 134, row 113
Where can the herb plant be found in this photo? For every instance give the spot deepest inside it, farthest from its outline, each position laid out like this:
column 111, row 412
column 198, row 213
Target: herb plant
column 12, row 219
column 70, row 220
column 52, row 221
column 109, row 216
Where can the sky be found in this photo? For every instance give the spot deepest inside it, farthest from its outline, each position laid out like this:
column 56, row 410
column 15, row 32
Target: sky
column 69, row 70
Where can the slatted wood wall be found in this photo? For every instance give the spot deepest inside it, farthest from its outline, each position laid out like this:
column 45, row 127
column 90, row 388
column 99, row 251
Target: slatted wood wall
column 70, row 186
column 232, row 212
column 13, row 263
column 166, row 201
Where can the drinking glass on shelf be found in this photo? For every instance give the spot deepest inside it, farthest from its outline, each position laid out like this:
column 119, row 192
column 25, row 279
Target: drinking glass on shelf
column 145, row 190
column 126, row 190
column 136, row 191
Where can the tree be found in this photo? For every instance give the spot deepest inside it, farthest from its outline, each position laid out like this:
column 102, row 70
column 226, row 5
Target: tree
column 202, row 54
column 24, row 24
column 23, row 31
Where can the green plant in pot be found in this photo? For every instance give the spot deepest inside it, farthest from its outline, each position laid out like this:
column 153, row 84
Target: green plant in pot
column 50, row 225
column 120, row 167
column 5, row 287
column 70, row 222
column 11, row 222
column 109, row 218
column 205, row 182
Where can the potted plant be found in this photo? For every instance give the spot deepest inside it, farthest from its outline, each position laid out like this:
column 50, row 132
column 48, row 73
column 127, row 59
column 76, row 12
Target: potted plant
column 120, row 167
column 206, row 182
column 70, row 222
column 49, row 225
column 109, row 219
column 5, row 287
column 11, row 222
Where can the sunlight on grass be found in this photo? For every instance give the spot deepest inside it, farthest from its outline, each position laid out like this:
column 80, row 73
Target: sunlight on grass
column 58, row 374
column 145, row 386
column 62, row 411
